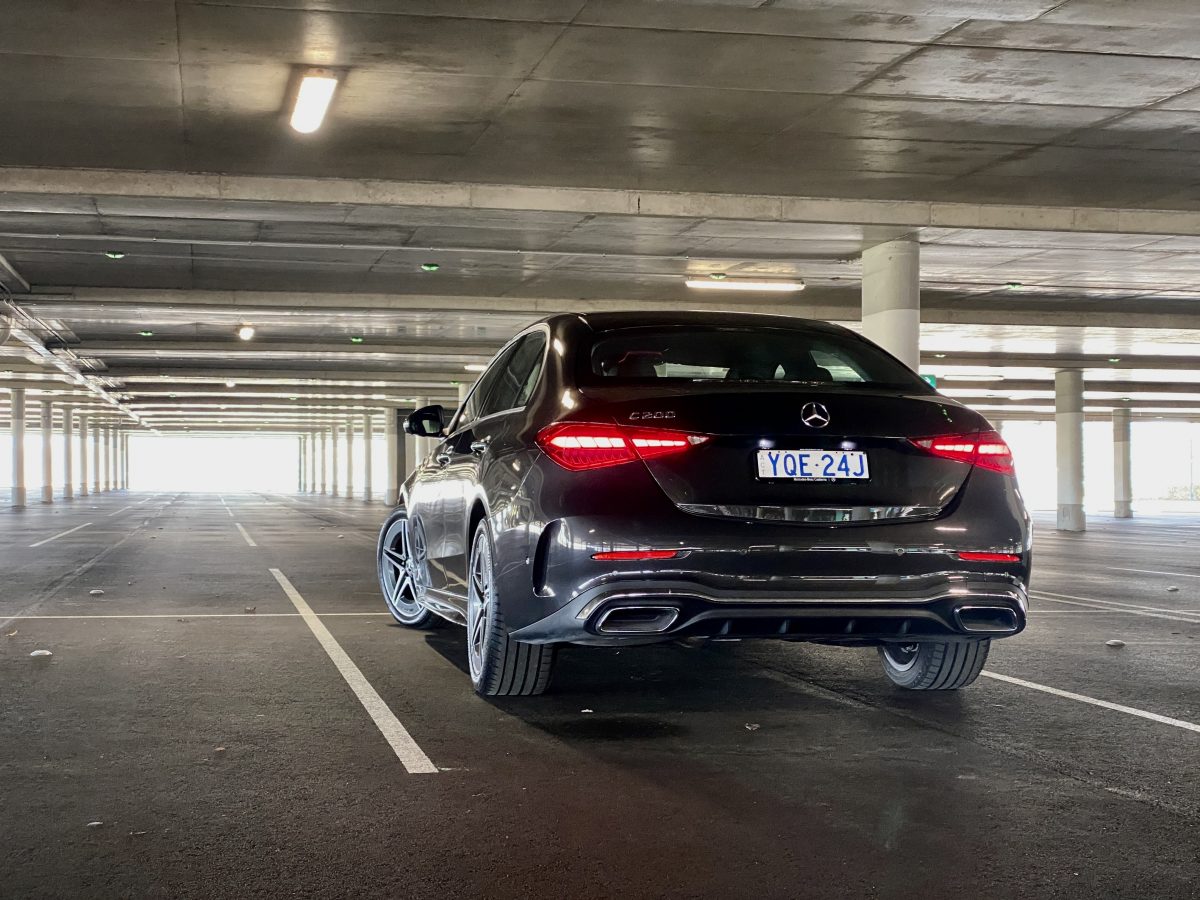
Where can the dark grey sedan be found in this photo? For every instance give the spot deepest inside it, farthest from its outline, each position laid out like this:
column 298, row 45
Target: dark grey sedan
column 627, row 478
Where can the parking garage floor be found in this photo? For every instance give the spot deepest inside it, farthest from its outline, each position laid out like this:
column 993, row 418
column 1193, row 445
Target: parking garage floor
column 192, row 712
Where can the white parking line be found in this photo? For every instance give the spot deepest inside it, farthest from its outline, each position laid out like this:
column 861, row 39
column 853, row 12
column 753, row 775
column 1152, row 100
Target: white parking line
column 245, row 534
column 241, row 615
column 1116, row 707
column 121, row 510
column 411, row 756
column 227, row 509
column 1152, row 572
column 1150, row 612
column 60, row 534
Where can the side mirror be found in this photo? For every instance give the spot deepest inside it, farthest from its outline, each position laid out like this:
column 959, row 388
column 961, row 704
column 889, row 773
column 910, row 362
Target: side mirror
column 428, row 421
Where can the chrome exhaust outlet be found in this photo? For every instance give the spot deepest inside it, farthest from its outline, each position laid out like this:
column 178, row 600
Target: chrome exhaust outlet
column 637, row 619
column 986, row 619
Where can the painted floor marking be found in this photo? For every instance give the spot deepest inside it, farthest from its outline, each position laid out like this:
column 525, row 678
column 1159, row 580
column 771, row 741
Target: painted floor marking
column 411, row 756
column 241, row 615
column 1104, row 704
column 60, row 534
column 1153, row 572
column 245, row 534
column 1152, row 612
column 121, row 510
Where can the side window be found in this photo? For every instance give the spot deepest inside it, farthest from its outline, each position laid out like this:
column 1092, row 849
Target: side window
column 472, row 408
column 516, row 375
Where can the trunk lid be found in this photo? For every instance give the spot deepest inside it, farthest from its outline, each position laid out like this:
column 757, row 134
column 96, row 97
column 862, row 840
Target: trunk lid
column 720, row 477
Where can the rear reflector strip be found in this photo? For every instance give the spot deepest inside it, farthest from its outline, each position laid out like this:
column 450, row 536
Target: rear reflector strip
column 970, row 556
column 626, row 555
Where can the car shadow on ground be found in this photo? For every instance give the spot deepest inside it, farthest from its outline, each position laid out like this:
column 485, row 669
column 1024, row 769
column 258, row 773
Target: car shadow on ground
column 655, row 692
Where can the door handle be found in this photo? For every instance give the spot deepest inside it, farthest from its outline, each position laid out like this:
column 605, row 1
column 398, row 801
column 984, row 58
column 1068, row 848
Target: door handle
column 480, row 446
column 442, row 459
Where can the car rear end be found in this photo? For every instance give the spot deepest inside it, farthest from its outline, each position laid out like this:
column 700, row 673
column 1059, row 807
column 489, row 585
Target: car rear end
column 750, row 477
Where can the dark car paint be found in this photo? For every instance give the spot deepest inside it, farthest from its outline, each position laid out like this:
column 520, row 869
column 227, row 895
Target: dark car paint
column 547, row 522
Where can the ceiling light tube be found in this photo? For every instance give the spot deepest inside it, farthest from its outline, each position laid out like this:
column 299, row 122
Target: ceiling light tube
column 312, row 100
column 706, row 284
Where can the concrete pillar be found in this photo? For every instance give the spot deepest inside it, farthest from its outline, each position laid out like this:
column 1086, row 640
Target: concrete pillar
column 395, row 456
column 96, row 429
column 349, row 457
column 108, row 461
column 95, row 457
column 335, row 433
column 1068, row 422
column 68, row 417
column 18, row 448
column 125, row 456
column 47, row 451
column 891, row 299
column 312, row 462
column 368, row 440
column 324, row 461
column 83, row 456
column 300, row 462
column 1122, row 466
column 413, row 451
column 463, row 390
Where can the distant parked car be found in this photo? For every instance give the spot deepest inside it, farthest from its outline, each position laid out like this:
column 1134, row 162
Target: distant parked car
column 627, row 478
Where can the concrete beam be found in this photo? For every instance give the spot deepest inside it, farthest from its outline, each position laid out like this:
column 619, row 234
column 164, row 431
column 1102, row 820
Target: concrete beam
column 235, row 189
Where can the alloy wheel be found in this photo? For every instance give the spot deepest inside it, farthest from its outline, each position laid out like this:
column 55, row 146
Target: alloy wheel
column 480, row 596
column 403, row 551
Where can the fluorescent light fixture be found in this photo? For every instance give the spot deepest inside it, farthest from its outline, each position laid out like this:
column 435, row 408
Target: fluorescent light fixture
column 230, row 384
column 707, row 284
column 475, row 367
column 246, row 332
column 312, row 100
column 972, row 377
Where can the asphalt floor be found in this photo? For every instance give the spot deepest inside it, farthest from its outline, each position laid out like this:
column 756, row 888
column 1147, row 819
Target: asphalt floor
column 193, row 735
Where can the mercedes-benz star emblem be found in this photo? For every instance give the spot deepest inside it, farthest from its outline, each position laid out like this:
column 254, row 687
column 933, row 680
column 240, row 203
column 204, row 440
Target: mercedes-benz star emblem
column 814, row 415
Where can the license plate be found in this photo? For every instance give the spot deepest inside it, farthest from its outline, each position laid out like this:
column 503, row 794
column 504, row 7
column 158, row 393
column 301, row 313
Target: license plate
column 813, row 465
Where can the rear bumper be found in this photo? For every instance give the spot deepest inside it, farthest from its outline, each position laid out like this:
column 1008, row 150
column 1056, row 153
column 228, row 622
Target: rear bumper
column 960, row 607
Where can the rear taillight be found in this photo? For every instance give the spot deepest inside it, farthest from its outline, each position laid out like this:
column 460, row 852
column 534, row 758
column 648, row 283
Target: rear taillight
column 985, row 449
column 583, row 445
column 973, row 556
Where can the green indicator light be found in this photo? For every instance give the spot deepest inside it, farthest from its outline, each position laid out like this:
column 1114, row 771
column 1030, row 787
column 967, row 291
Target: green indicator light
column 356, row 340
column 146, row 333
column 1014, row 285
column 931, row 380
column 717, row 276
column 1114, row 359
column 114, row 254
column 429, row 267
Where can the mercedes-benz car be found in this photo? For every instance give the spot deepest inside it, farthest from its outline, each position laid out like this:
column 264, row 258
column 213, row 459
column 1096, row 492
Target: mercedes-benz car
column 625, row 478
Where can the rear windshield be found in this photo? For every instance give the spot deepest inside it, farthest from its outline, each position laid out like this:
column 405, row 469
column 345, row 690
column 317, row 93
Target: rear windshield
column 753, row 355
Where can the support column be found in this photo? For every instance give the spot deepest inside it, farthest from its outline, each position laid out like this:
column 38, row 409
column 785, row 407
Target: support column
column 68, row 417
column 312, row 462
column 891, row 299
column 368, row 439
column 395, row 456
column 96, row 429
column 1068, row 422
column 47, row 451
column 463, row 390
column 349, row 458
column 413, row 452
column 335, row 432
column 83, row 456
column 1122, row 466
column 300, row 463
column 108, row 454
column 125, row 456
column 18, row 447
column 324, row 466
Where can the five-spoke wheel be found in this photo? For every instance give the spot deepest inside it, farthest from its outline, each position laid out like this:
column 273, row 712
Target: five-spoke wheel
column 401, row 554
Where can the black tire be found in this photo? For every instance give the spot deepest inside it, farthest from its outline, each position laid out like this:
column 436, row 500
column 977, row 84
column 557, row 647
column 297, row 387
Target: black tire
column 934, row 665
column 499, row 666
column 399, row 572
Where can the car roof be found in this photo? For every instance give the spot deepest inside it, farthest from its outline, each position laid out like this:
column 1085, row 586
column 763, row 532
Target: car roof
column 606, row 321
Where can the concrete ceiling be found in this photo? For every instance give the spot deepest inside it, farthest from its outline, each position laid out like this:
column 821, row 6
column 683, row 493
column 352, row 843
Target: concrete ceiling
column 1081, row 102
column 553, row 156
